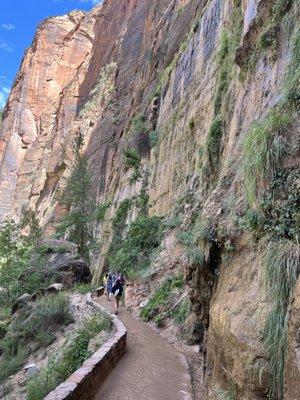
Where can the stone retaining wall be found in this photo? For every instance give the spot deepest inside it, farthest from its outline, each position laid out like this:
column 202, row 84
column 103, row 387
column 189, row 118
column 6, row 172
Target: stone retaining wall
column 84, row 383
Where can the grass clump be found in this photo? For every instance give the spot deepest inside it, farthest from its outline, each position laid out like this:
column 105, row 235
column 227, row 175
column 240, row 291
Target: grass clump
column 264, row 148
column 226, row 394
column 282, row 269
column 68, row 359
column 201, row 232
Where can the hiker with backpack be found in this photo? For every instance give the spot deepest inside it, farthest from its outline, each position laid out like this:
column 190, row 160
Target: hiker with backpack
column 117, row 292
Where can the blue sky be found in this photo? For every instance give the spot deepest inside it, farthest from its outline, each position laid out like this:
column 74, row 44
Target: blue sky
column 18, row 22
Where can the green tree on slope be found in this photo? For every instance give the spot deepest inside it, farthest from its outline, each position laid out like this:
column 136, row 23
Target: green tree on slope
column 75, row 226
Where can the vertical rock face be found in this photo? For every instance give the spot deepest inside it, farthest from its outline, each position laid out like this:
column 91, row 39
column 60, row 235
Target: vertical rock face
column 42, row 104
column 167, row 63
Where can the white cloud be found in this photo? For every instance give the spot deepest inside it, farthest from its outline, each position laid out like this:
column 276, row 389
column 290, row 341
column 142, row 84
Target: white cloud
column 2, row 100
column 94, row 2
column 6, row 46
column 8, row 27
column 4, row 93
column 90, row 1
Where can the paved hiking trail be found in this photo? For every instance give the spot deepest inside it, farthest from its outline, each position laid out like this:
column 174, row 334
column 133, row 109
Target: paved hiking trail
column 150, row 370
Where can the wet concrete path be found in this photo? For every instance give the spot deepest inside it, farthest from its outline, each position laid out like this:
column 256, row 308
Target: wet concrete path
column 150, row 370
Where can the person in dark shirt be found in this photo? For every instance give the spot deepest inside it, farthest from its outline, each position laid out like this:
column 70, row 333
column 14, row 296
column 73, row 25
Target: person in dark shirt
column 117, row 291
column 109, row 286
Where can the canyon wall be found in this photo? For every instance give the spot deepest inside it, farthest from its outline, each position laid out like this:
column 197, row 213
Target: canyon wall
column 180, row 83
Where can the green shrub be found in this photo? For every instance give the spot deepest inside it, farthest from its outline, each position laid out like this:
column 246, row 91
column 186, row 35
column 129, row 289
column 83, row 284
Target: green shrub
column 42, row 319
column 224, row 48
column 186, row 238
column 195, row 256
column 213, row 143
column 204, row 231
column 191, row 124
column 44, row 383
column 264, row 148
column 153, row 137
column 101, row 211
column 182, row 311
column 278, row 213
column 133, row 160
column 35, row 275
column 160, row 320
column 84, row 288
column 138, row 124
column 282, row 269
column 120, row 217
column 68, row 359
column 131, row 254
column 172, row 222
column 161, row 296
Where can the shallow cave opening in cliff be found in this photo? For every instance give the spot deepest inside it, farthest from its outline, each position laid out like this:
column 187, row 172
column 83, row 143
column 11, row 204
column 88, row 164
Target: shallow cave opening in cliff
column 142, row 144
column 214, row 257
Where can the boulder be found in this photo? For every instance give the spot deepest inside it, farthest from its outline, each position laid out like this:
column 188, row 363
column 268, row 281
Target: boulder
column 69, row 270
column 54, row 288
column 59, row 246
column 61, row 264
column 21, row 302
column 31, row 370
column 144, row 303
column 99, row 291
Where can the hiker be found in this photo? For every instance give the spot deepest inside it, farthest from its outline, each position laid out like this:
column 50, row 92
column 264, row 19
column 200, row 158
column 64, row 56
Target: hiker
column 109, row 285
column 105, row 279
column 122, row 280
column 117, row 291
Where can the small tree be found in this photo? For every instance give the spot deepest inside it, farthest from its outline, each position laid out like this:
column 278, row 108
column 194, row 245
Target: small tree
column 31, row 223
column 75, row 226
column 14, row 255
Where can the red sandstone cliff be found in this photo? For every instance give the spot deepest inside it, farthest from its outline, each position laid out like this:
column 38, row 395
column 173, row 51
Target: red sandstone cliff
column 93, row 73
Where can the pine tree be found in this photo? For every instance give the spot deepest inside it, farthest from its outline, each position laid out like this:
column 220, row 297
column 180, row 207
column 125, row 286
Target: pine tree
column 75, row 226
